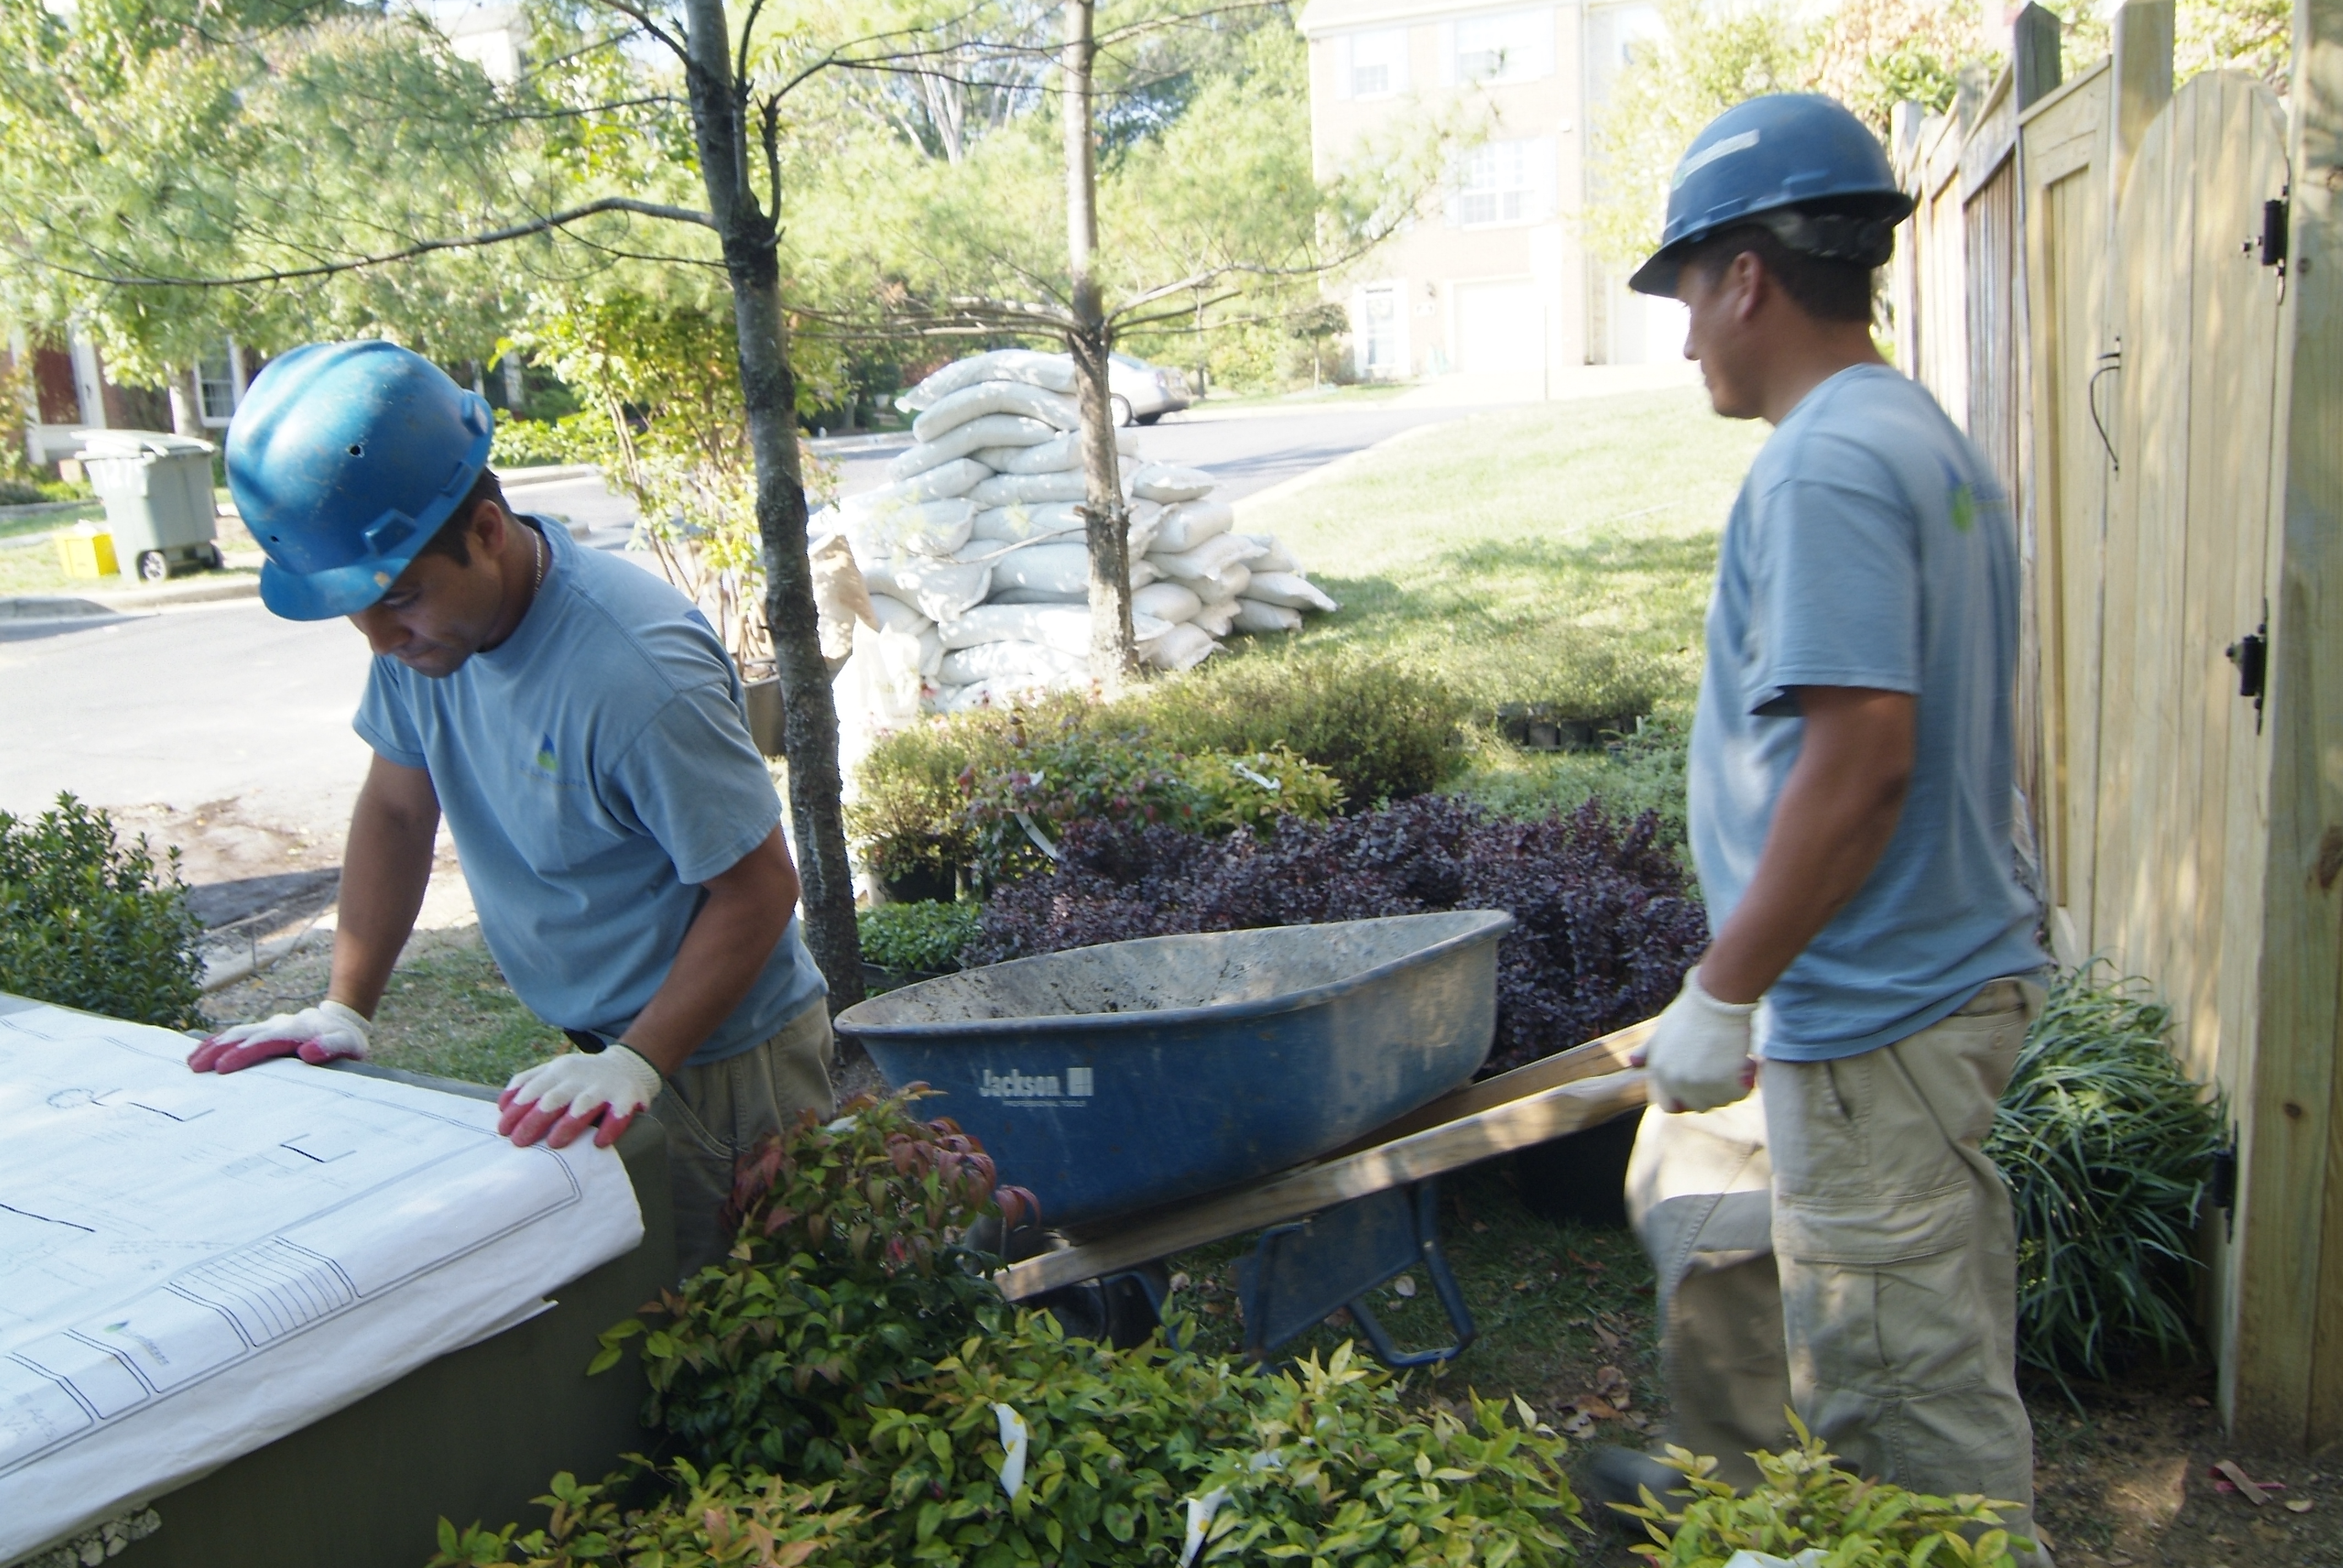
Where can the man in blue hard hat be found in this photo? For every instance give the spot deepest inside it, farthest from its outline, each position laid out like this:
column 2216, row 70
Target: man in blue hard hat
column 1839, row 1243
column 582, row 729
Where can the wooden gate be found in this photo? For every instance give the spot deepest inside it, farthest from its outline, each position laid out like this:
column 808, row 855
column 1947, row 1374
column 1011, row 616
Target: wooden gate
column 2177, row 465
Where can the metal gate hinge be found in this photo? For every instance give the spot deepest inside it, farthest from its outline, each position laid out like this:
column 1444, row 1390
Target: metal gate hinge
column 2251, row 654
column 2274, row 228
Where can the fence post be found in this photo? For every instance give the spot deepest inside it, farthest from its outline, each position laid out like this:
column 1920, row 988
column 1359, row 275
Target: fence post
column 2143, row 69
column 2035, row 66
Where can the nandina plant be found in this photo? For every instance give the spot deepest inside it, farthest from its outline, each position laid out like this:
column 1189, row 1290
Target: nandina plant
column 850, row 1273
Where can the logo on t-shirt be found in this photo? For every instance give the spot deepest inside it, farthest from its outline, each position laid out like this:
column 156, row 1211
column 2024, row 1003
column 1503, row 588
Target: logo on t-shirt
column 1963, row 508
column 546, row 762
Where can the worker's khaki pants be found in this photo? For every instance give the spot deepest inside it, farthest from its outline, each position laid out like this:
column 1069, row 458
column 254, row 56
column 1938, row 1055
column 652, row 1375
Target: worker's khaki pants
column 716, row 1113
column 1841, row 1244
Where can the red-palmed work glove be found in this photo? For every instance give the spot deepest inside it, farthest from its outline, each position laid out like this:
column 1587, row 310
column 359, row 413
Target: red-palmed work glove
column 559, row 1100
column 317, row 1034
column 1698, row 1055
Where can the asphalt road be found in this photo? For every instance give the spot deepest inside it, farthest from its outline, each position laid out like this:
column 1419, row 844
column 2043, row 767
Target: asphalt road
column 183, row 712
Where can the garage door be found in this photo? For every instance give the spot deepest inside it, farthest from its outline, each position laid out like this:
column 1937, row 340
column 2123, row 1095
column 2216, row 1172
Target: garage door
column 1499, row 326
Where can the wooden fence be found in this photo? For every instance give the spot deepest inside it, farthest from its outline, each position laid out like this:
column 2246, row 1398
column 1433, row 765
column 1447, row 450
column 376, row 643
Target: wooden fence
column 2135, row 310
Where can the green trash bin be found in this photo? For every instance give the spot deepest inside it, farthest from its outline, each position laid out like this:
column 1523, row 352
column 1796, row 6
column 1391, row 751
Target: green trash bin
column 157, row 491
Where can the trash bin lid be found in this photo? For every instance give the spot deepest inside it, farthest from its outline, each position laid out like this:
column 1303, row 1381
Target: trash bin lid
column 139, row 444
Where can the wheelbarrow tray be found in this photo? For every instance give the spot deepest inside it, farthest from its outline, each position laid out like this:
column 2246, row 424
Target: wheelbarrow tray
column 1130, row 1075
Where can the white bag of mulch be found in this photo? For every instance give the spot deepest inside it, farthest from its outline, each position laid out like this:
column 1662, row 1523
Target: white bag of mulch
column 1260, row 619
column 1218, row 616
column 1011, row 660
column 1190, row 523
column 895, row 615
column 995, row 397
column 1275, row 557
column 841, row 599
column 939, row 587
column 1182, row 647
column 1015, row 524
column 989, row 433
column 942, row 482
column 1059, row 571
column 1208, row 562
column 1146, row 521
column 1063, row 453
column 922, row 528
column 1162, row 482
column 1291, row 590
column 1054, row 371
column 1012, row 489
column 1066, row 628
column 1166, row 601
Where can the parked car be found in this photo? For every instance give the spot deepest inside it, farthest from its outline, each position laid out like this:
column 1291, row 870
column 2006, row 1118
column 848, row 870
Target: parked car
column 1142, row 393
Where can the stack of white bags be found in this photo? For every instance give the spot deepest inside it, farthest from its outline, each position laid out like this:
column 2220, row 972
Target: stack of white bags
column 978, row 572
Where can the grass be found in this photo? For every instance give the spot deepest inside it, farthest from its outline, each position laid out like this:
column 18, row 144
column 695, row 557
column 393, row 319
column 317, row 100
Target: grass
column 36, row 569
column 16, row 524
column 448, row 1011
column 1557, row 553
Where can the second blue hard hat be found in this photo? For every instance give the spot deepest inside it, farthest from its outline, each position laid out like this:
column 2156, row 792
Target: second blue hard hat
column 1787, row 153
column 344, row 459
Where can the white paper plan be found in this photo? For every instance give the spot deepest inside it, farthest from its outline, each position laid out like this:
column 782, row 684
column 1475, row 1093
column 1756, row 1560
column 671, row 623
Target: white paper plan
column 192, row 1266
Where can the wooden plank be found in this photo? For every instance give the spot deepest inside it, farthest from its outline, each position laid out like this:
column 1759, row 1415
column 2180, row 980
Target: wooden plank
column 2065, row 241
column 1572, row 1091
column 2140, row 41
column 2285, row 1385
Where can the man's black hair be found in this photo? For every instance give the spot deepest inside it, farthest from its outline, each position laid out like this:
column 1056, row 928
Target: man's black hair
column 454, row 538
column 1826, row 288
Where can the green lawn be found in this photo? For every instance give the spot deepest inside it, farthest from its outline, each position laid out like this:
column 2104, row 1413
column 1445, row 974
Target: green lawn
column 1559, row 553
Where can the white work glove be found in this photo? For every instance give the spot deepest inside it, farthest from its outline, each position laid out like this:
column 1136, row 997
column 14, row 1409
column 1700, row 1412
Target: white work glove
column 1698, row 1054
column 559, row 1100
column 318, row 1034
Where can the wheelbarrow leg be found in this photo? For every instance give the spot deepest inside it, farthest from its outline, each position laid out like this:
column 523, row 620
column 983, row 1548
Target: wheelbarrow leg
column 1300, row 1273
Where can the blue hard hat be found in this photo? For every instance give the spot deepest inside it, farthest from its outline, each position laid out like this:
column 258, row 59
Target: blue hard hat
column 344, row 459
column 1796, row 155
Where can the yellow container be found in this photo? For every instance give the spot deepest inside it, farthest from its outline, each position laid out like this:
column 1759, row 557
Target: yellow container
column 87, row 555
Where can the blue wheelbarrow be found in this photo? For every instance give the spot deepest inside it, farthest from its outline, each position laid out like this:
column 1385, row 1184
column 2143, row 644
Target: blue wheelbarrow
column 1161, row 1094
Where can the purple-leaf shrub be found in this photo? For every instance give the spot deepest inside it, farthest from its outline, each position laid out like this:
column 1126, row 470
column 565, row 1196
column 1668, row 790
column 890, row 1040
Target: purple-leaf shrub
column 1604, row 929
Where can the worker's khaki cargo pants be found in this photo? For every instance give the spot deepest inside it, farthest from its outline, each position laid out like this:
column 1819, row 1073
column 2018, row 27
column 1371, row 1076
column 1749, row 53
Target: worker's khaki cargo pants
column 1840, row 1244
column 716, row 1113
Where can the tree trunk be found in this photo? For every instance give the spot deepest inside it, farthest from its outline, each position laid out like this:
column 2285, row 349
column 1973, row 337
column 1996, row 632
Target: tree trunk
column 768, row 394
column 1106, row 523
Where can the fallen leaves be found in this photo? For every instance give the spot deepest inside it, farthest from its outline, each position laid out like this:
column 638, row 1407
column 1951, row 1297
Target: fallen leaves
column 1609, row 1400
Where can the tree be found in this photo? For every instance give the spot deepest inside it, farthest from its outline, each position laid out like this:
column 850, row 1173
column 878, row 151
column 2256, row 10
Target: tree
column 170, row 165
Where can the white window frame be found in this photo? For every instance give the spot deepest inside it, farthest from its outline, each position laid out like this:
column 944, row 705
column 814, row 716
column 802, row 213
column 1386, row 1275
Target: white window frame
column 1498, row 47
column 1504, row 184
column 215, row 388
column 1382, row 47
column 1391, row 364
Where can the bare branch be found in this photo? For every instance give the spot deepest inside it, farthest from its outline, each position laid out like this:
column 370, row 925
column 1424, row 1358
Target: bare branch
column 424, row 248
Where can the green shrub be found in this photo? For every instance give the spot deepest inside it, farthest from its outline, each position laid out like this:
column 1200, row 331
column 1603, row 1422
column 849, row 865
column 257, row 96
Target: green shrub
column 948, row 794
column 1252, row 792
column 2108, row 1147
column 581, row 438
column 918, row 938
column 20, row 493
column 848, row 1276
column 1638, row 772
column 1384, row 731
column 87, row 921
column 711, row 1521
column 1805, row 1501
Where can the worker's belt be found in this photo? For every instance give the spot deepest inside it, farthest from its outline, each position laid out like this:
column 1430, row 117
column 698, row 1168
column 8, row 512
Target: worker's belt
column 587, row 1040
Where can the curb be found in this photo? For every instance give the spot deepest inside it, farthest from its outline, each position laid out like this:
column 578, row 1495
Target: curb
column 1330, row 470
column 125, row 601
column 550, row 473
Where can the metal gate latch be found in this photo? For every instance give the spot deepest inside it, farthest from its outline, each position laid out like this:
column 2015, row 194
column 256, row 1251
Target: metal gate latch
column 2251, row 654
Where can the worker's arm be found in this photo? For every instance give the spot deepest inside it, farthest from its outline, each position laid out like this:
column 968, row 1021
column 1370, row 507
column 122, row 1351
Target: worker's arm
column 728, row 945
column 386, row 865
column 1838, row 810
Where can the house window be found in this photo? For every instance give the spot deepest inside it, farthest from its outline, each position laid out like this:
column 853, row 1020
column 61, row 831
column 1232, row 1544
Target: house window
column 1503, row 182
column 1379, row 332
column 1376, row 63
column 215, row 387
column 1516, row 46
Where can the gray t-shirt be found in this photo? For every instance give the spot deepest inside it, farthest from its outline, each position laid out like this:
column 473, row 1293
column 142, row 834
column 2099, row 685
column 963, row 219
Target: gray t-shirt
column 1870, row 546
column 595, row 768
